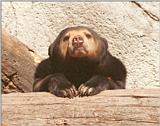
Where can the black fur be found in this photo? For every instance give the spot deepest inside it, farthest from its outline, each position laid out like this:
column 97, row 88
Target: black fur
column 85, row 76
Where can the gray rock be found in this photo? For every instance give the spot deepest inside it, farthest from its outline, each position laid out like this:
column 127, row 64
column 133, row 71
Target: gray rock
column 132, row 30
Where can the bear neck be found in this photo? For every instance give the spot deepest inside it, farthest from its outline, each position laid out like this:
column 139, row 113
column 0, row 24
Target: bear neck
column 81, row 62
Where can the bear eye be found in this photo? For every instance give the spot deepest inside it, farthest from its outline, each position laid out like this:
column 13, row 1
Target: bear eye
column 88, row 35
column 66, row 38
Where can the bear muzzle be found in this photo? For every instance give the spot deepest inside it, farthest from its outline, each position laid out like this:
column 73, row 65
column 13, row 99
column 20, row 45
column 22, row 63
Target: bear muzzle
column 77, row 41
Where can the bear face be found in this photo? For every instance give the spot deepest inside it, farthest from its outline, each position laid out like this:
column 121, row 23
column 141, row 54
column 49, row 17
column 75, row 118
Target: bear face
column 79, row 64
column 78, row 42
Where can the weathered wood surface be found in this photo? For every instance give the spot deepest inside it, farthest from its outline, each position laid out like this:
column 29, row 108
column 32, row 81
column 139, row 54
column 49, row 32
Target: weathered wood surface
column 18, row 65
column 136, row 107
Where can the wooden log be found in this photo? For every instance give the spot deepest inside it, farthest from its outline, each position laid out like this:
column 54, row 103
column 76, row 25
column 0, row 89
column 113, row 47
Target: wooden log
column 130, row 107
column 18, row 65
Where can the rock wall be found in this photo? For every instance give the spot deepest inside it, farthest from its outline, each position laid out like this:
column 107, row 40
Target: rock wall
column 132, row 30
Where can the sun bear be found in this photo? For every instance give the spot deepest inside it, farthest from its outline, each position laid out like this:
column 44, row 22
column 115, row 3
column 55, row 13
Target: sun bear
column 79, row 64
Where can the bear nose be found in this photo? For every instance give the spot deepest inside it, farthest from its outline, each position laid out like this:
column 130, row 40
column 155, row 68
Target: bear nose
column 77, row 41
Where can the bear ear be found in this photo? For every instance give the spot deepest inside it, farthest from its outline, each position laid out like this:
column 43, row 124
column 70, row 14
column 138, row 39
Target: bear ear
column 54, row 45
column 105, row 42
column 50, row 49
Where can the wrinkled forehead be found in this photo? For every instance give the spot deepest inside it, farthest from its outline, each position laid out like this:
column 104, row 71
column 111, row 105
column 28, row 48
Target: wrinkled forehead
column 76, row 31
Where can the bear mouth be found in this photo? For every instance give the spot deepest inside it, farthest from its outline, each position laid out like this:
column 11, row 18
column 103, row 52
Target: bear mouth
column 80, row 51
